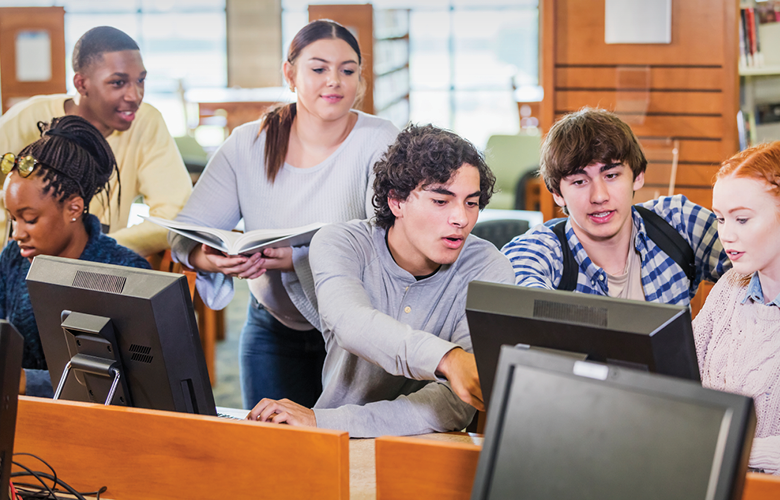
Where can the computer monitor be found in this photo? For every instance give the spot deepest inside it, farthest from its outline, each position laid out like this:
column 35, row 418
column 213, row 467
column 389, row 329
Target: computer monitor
column 127, row 333
column 11, row 348
column 643, row 335
column 563, row 428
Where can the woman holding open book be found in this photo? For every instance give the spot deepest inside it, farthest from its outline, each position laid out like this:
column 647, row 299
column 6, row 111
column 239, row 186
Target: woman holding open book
column 302, row 163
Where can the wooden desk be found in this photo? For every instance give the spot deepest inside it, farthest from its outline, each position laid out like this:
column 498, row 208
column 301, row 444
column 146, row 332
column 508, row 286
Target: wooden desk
column 161, row 455
column 411, row 467
column 151, row 454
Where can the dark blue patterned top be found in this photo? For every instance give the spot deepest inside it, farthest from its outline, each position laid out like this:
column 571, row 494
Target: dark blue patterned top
column 15, row 303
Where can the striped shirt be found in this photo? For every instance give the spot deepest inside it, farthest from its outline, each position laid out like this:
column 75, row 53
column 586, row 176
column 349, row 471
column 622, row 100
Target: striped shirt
column 537, row 256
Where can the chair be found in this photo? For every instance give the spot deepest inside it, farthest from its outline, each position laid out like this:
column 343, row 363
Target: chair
column 194, row 156
column 500, row 232
column 510, row 157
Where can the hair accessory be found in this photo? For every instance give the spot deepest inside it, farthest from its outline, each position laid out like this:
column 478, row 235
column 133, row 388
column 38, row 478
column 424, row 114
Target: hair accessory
column 25, row 165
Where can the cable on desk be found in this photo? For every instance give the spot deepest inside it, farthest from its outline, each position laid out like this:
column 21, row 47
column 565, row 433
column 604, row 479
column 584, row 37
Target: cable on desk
column 26, row 491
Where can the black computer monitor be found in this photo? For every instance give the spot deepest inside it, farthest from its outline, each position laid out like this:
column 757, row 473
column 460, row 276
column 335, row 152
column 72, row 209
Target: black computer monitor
column 644, row 335
column 106, row 320
column 562, row 428
column 11, row 348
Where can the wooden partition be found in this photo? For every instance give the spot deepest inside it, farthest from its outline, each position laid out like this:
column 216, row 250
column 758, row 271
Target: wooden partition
column 162, row 455
column 686, row 91
column 16, row 24
column 424, row 469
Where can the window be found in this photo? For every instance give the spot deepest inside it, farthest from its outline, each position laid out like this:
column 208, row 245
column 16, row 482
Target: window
column 466, row 58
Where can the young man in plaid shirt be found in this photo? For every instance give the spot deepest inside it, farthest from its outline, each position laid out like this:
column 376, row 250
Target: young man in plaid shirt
column 593, row 164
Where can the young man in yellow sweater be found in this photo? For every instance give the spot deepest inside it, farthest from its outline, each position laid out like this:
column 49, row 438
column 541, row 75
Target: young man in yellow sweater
column 109, row 81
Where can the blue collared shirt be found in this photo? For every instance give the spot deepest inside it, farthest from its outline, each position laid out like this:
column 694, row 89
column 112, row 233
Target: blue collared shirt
column 537, row 256
column 755, row 293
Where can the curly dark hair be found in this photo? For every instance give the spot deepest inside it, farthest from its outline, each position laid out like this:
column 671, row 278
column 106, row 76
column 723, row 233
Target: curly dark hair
column 79, row 159
column 421, row 156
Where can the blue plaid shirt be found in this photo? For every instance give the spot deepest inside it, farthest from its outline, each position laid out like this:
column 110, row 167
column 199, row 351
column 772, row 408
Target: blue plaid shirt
column 538, row 259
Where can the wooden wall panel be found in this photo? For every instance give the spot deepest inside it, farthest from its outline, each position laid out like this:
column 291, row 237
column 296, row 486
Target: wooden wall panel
column 657, row 101
column 638, row 77
column 705, row 152
column 687, row 175
column 698, row 30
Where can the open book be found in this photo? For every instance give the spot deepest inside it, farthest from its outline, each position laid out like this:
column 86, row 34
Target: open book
column 233, row 243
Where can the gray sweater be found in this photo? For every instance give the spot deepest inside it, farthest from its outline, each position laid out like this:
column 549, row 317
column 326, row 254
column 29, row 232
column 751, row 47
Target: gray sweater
column 386, row 332
column 234, row 186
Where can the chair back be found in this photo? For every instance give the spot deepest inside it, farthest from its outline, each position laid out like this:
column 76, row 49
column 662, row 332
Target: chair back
column 510, row 157
column 500, row 232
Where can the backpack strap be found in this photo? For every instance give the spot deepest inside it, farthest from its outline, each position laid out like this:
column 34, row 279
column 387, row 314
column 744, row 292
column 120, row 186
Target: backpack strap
column 669, row 240
column 570, row 268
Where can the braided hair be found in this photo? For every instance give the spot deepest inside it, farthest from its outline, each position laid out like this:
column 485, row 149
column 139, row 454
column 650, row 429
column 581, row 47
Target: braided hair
column 78, row 158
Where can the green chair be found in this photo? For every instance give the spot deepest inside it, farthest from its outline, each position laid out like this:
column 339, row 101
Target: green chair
column 194, row 156
column 510, row 157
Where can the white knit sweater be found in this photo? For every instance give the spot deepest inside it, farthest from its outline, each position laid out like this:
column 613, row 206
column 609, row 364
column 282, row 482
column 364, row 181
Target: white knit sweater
column 738, row 346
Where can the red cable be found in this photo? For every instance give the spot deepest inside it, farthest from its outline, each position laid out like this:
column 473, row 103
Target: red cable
column 15, row 495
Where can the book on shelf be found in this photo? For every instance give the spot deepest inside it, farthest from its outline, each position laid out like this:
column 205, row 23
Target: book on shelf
column 751, row 52
column 234, row 243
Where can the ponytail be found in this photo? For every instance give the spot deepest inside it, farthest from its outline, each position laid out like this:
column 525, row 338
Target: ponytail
column 277, row 124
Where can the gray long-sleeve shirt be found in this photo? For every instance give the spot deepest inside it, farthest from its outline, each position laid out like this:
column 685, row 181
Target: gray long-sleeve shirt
column 386, row 332
column 234, row 186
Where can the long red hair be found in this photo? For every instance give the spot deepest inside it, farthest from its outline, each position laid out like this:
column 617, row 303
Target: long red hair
column 762, row 163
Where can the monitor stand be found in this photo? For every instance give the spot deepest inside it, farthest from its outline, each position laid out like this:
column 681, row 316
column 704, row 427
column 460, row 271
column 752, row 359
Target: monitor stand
column 94, row 359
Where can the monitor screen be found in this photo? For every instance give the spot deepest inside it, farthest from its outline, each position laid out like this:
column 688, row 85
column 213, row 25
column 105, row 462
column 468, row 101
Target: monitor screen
column 563, row 428
column 630, row 333
column 105, row 320
column 11, row 348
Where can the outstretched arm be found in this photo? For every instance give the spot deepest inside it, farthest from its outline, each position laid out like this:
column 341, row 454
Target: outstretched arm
column 536, row 258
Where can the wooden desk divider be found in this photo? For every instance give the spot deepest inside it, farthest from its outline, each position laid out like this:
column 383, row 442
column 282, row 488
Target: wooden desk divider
column 426, row 469
column 761, row 487
column 408, row 467
column 151, row 454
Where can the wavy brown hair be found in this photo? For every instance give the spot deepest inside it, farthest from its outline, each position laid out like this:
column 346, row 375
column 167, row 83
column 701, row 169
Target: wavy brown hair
column 584, row 137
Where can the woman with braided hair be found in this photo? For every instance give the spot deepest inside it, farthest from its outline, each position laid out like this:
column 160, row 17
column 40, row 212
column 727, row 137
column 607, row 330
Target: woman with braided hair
column 50, row 184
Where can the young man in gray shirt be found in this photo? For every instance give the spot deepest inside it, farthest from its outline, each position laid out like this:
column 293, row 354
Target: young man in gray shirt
column 392, row 296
